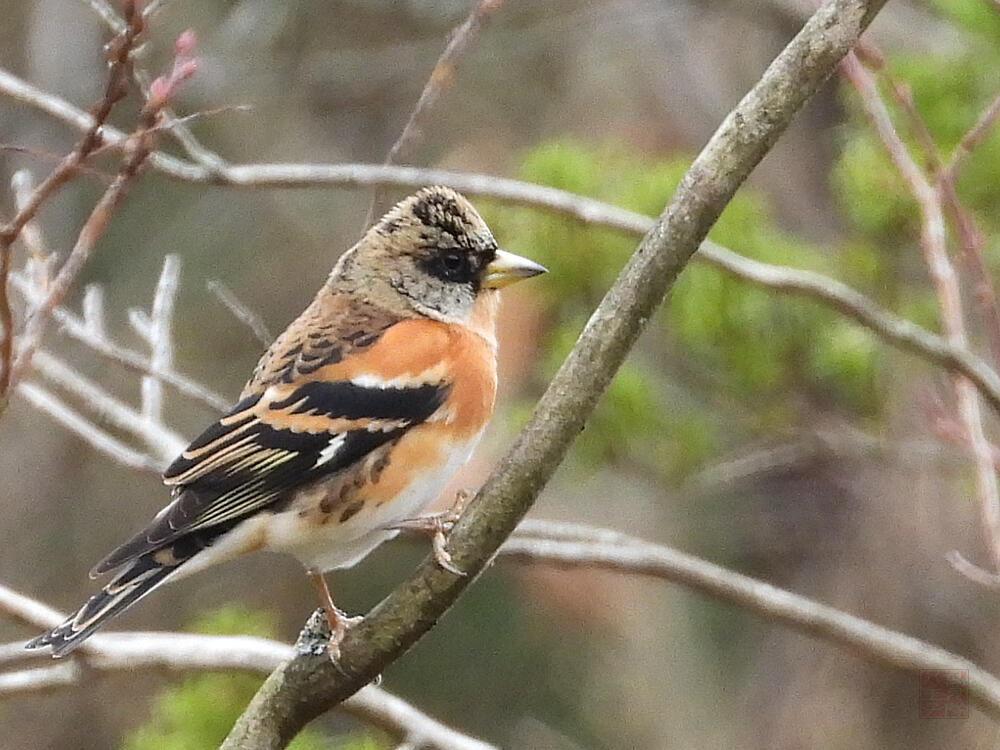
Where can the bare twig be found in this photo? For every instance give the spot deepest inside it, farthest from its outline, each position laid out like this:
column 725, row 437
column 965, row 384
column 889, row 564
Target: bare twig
column 138, row 147
column 113, row 652
column 78, row 257
column 945, row 281
column 973, row 137
column 972, row 241
column 6, row 322
column 441, row 78
column 164, row 442
column 72, row 420
column 578, row 545
column 90, row 332
column 119, row 51
column 972, row 571
column 310, row 684
column 241, row 312
column 177, row 126
column 39, row 259
column 156, row 331
column 851, row 303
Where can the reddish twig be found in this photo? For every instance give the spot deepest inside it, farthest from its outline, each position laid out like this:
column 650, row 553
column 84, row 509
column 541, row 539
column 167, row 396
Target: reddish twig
column 973, row 137
column 439, row 81
column 948, row 428
column 6, row 324
column 945, row 281
column 118, row 53
column 140, row 145
column 970, row 238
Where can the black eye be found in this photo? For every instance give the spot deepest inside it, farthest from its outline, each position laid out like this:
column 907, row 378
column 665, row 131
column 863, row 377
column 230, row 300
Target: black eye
column 452, row 265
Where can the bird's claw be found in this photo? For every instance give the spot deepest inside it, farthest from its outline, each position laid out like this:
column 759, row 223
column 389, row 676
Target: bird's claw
column 340, row 622
column 324, row 631
column 442, row 556
column 437, row 526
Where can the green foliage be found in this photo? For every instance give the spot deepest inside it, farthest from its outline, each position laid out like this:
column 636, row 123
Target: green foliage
column 717, row 339
column 200, row 711
column 950, row 90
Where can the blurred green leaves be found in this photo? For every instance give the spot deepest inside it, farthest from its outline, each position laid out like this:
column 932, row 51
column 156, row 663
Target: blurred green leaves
column 718, row 343
column 199, row 712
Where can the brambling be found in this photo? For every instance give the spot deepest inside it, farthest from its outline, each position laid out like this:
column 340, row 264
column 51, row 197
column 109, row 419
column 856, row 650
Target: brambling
column 353, row 421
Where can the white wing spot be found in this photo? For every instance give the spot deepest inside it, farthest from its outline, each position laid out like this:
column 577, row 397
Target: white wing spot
column 429, row 376
column 331, row 449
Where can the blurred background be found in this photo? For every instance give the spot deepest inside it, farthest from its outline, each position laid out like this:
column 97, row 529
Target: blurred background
column 755, row 429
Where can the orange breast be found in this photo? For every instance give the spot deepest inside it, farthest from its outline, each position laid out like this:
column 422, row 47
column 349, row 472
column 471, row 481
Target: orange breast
column 416, row 352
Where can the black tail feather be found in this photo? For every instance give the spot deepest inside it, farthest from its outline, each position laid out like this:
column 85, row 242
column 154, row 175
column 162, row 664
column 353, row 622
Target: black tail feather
column 128, row 587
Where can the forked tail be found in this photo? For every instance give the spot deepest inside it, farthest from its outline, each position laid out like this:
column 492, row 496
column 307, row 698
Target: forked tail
column 142, row 576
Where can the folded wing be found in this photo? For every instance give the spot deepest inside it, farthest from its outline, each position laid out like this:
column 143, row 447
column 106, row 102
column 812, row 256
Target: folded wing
column 271, row 443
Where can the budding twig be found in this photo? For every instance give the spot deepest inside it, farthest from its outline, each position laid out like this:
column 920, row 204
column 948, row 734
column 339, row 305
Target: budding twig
column 139, row 146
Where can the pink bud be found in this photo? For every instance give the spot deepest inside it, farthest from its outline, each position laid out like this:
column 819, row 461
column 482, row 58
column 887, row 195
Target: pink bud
column 159, row 90
column 185, row 44
column 187, row 69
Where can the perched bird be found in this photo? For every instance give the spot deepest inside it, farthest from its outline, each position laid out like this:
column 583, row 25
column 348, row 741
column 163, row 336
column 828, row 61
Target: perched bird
column 352, row 422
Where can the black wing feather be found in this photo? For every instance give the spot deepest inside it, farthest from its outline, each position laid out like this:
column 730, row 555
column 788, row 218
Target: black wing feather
column 242, row 464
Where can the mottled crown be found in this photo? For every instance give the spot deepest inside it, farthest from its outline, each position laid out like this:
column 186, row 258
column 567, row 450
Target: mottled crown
column 429, row 254
column 444, row 214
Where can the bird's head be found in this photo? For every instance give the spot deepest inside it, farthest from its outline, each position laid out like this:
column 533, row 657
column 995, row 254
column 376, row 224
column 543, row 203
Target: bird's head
column 432, row 254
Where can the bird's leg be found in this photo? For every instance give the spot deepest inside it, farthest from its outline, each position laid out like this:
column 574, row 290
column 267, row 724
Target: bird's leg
column 339, row 621
column 437, row 526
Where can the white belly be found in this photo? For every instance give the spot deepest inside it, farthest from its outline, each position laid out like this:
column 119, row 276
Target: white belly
column 342, row 545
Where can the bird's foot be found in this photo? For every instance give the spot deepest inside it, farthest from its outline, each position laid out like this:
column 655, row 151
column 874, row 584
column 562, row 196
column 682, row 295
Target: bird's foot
column 338, row 629
column 437, row 526
column 323, row 634
column 328, row 623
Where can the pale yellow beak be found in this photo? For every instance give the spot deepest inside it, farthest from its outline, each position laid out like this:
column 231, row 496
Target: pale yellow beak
column 507, row 268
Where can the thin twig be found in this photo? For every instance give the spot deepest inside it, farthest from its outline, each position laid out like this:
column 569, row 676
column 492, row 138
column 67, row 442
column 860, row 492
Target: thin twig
column 441, row 78
column 945, row 281
column 240, row 311
column 86, row 332
column 851, row 303
column 39, row 258
column 972, row 241
column 578, row 545
column 970, row 237
column 157, row 334
column 973, row 137
column 165, row 442
column 78, row 257
column 113, row 652
column 139, row 146
column 177, row 126
column 119, row 52
column 6, row 323
column 73, row 421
